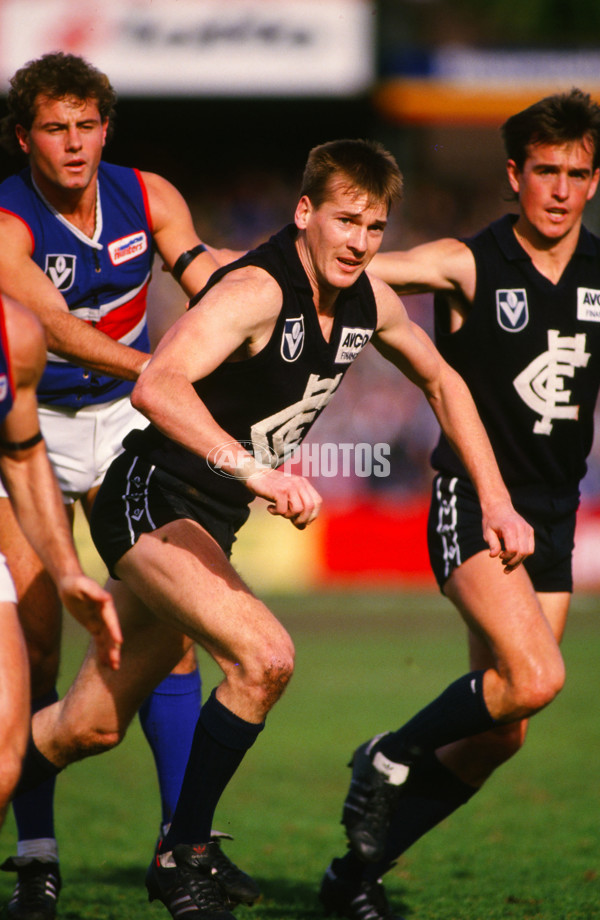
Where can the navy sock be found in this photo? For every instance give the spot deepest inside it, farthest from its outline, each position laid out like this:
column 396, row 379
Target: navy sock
column 430, row 794
column 220, row 741
column 168, row 718
column 34, row 810
column 458, row 712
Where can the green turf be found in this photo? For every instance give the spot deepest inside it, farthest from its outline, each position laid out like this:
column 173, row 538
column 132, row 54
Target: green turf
column 526, row 848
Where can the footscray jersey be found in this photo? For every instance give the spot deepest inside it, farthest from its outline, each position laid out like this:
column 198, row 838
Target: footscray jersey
column 7, row 393
column 529, row 350
column 268, row 402
column 103, row 279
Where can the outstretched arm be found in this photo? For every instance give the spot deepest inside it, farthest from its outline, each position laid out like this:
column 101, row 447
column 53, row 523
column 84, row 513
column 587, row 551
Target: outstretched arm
column 35, row 494
column 444, row 265
column 408, row 347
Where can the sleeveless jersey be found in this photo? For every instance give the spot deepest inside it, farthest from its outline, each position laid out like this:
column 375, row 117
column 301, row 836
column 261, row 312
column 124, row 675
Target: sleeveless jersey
column 529, row 350
column 103, row 279
column 7, row 392
column 268, row 402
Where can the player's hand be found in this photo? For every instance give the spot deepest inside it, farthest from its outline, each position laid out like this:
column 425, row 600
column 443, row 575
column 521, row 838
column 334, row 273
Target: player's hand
column 292, row 497
column 93, row 607
column 508, row 535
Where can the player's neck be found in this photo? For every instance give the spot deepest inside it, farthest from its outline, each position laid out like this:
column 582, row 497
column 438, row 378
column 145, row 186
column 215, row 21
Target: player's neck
column 77, row 205
column 550, row 256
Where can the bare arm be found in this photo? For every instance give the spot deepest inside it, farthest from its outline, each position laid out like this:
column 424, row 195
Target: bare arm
column 444, row 265
column 174, row 233
column 236, row 317
column 408, row 347
column 66, row 335
column 35, row 494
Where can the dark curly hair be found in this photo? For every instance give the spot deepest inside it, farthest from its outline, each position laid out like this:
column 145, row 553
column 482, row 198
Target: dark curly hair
column 56, row 75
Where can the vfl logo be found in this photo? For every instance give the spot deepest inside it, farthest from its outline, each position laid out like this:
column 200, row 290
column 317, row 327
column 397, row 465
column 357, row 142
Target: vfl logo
column 352, row 342
column 3, row 387
column 128, row 247
column 588, row 305
column 292, row 340
column 511, row 306
column 61, row 270
column 541, row 384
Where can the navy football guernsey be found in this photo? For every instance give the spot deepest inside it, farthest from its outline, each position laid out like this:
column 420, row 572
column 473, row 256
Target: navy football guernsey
column 7, row 392
column 104, row 279
column 529, row 350
column 271, row 399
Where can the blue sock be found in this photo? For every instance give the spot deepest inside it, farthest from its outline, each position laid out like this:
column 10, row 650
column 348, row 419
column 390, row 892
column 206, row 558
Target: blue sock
column 34, row 810
column 220, row 741
column 168, row 717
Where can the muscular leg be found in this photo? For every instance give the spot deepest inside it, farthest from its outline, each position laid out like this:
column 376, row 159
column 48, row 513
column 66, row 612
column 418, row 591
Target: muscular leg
column 14, row 702
column 40, row 613
column 513, row 637
column 168, row 717
column 180, row 574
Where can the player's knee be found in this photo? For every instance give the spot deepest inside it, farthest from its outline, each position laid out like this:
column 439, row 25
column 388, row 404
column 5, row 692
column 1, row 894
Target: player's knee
column 271, row 672
column 541, row 686
column 91, row 739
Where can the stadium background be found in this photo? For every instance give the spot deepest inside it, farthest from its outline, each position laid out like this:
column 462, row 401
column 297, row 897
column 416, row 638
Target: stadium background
column 226, row 98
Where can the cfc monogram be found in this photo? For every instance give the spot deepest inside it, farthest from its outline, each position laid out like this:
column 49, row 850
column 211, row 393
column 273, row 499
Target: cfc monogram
column 542, row 385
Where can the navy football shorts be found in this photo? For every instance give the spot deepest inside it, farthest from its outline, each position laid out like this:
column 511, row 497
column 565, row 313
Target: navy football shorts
column 137, row 497
column 454, row 530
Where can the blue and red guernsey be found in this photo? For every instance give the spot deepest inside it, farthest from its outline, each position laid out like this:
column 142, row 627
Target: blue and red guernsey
column 7, row 392
column 104, row 279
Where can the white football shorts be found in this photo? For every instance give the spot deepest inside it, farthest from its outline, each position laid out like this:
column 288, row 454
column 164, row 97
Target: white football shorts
column 82, row 443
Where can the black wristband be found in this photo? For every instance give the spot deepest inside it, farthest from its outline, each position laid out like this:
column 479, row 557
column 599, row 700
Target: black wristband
column 22, row 445
column 185, row 259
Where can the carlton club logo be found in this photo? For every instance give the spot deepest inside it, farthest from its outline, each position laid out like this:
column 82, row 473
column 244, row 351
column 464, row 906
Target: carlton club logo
column 512, row 311
column 542, row 384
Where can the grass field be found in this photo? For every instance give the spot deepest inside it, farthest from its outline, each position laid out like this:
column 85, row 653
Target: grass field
column 526, row 848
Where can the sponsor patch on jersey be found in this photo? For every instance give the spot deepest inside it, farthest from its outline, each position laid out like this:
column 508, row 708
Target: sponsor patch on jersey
column 352, row 342
column 511, row 306
column 292, row 340
column 60, row 268
column 128, row 247
column 588, row 305
column 3, row 387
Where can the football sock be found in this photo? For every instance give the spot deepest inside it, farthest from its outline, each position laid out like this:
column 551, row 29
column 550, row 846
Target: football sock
column 430, row 794
column 220, row 741
column 460, row 711
column 34, row 810
column 168, row 718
